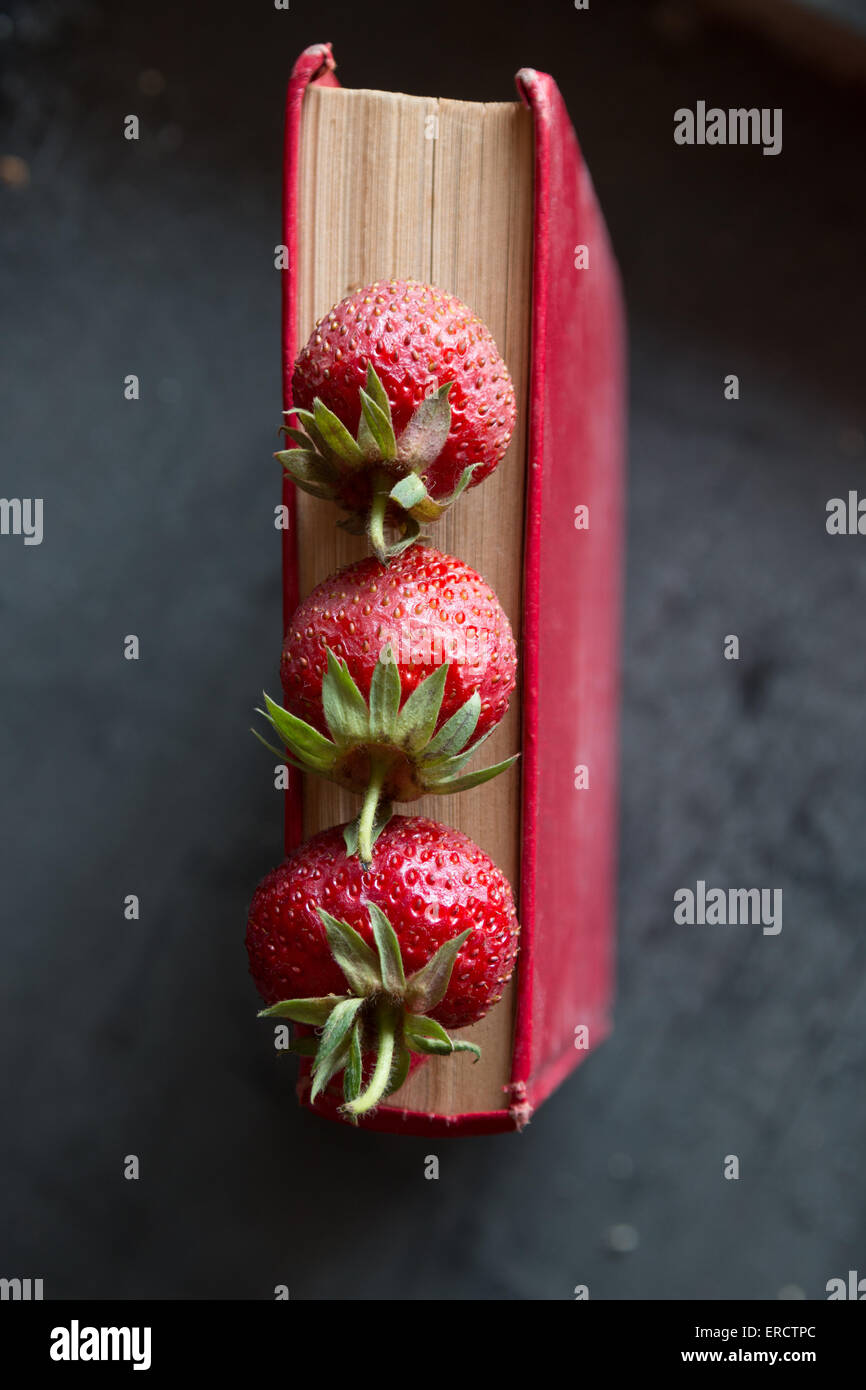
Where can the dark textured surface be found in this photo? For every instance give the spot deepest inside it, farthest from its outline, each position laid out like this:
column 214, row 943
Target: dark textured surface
column 118, row 777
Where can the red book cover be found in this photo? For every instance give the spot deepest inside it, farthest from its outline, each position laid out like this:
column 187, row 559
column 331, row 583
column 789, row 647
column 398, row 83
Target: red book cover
column 571, row 613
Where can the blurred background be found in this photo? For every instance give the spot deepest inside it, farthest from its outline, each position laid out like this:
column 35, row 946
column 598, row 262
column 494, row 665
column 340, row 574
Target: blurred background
column 119, row 1037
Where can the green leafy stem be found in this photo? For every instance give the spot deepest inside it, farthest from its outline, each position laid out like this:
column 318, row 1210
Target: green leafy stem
column 404, row 756
column 383, row 1013
column 325, row 458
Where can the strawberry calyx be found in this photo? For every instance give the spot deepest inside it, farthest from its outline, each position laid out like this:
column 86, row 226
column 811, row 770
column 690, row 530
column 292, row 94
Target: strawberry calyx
column 382, row 469
column 385, row 748
column 383, row 1014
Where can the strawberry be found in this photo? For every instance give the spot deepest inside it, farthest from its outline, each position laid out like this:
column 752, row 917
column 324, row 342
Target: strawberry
column 393, row 676
column 383, row 960
column 404, row 401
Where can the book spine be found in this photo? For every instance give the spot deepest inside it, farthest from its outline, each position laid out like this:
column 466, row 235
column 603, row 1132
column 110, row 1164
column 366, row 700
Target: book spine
column 571, row 615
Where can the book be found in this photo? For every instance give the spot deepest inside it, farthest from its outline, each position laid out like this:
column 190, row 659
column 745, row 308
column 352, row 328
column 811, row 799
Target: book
column 381, row 185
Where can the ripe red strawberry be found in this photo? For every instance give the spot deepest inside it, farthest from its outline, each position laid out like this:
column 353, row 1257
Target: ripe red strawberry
column 430, row 607
column 404, row 401
column 392, row 676
column 440, row 919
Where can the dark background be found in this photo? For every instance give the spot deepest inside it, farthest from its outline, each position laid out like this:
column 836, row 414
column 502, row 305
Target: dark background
column 120, row 777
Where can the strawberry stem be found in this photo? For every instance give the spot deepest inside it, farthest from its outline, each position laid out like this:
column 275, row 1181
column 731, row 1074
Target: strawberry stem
column 386, row 1022
column 384, row 1012
column 382, row 484
column 378, row 772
